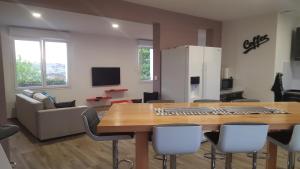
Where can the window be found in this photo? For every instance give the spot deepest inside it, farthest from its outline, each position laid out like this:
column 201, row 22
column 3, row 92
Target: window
column 41, row 63
column 146, row 63
column 56, row 63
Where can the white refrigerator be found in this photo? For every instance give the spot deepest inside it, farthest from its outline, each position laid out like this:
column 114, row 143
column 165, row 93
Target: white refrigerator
column 189, row 73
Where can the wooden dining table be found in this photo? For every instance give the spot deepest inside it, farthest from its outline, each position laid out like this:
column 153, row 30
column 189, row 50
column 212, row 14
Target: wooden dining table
column 140, row 118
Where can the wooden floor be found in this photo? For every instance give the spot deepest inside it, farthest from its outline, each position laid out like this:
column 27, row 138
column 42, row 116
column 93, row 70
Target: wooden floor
column 80, row 152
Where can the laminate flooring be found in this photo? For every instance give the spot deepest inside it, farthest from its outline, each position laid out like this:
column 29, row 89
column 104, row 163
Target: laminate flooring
column 80, row 152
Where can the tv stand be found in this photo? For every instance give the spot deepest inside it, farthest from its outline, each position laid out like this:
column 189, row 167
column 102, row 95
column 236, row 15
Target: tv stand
column 108, row 97
column 120, row 101
column 99, row 98
column 115, row 90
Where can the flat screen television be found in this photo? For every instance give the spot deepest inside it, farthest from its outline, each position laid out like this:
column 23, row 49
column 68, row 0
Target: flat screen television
column 296, row 45
column 104, row 76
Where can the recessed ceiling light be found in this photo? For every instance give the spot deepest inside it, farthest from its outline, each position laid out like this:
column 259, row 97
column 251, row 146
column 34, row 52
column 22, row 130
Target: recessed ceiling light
column 114, row 25
column 36, row 14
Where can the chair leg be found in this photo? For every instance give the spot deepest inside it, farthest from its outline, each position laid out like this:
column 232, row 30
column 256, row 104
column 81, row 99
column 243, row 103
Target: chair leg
column 254, row 160
column 213, row 157
column 228, row 161
column 291, row 160
column 172, row 161
column 165, row 162
column 13, row 164
column 115, row 154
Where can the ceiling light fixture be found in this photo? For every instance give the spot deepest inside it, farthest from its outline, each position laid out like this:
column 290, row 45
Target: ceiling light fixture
column 114, row 25
column 36, row 14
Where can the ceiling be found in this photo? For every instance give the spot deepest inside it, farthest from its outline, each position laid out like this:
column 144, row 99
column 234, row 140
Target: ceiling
column 223, row 9
column 20, row 15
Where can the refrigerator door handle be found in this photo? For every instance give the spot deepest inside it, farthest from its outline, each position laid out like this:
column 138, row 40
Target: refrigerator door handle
column 204, row 69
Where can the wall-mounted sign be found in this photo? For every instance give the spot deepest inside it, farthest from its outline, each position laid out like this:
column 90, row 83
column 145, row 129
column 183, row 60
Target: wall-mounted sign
column 256, row 42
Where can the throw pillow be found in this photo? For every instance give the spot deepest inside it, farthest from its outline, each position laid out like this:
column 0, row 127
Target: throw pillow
column 48, row 104
column 53, row 99
column 65, row 104
column 28, row 93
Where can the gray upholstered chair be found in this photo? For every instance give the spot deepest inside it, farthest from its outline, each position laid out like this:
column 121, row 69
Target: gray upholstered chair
column 206, row 101
column 7, row 130
column 175, row 139
column 161, row 101
column 245, row 100
column 288, row 140
column 90, row 120
column 238, row 138
column 260, row 155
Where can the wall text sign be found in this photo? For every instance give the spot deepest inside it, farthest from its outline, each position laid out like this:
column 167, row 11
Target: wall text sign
column 256, row 42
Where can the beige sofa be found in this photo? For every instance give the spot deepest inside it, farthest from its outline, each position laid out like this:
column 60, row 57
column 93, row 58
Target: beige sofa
column 49, row 123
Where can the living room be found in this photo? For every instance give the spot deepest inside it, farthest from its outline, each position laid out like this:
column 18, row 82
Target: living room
column 65, row 44
column 97, row 46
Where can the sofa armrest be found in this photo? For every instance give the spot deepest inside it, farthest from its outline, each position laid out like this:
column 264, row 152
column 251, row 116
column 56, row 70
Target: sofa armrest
column 26, row 109
column 60, row 122
column 67, row 109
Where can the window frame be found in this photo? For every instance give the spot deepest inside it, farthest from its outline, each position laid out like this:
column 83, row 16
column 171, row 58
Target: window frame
column 43, row 62
column 139, row 63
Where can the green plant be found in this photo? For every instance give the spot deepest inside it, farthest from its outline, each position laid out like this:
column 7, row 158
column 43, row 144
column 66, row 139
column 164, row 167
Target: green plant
column 28, row 74
column 56, row 82
column 144, row 54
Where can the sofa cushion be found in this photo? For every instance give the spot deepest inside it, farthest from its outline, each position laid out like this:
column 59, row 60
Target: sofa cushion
column 65, row 104
column 48, row 104
column 28, row 93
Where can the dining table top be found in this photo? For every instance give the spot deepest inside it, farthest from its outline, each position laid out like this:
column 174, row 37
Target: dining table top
column 141, row 117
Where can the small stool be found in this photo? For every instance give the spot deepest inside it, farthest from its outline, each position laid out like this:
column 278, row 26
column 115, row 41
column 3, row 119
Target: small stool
column 175, row 139
column 288, row 140
column 238, row 138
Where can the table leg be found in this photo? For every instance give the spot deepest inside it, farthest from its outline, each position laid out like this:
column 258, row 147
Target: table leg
column 272, row 152
column 141, row 150
column 172, row 161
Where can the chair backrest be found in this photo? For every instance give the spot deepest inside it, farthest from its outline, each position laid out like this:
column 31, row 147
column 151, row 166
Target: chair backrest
column 245, row 100
column 242, row 137
column 90, row 120
column 176, row 138
column 294, row 144
column 161, row 101
column 206, row 101
column 137, row 100
column 150, row 96
column 7, row 130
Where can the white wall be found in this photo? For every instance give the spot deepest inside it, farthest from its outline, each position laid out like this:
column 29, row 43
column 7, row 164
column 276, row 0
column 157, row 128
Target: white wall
column 86, row 51
column 253, row 72
column 290, row 69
